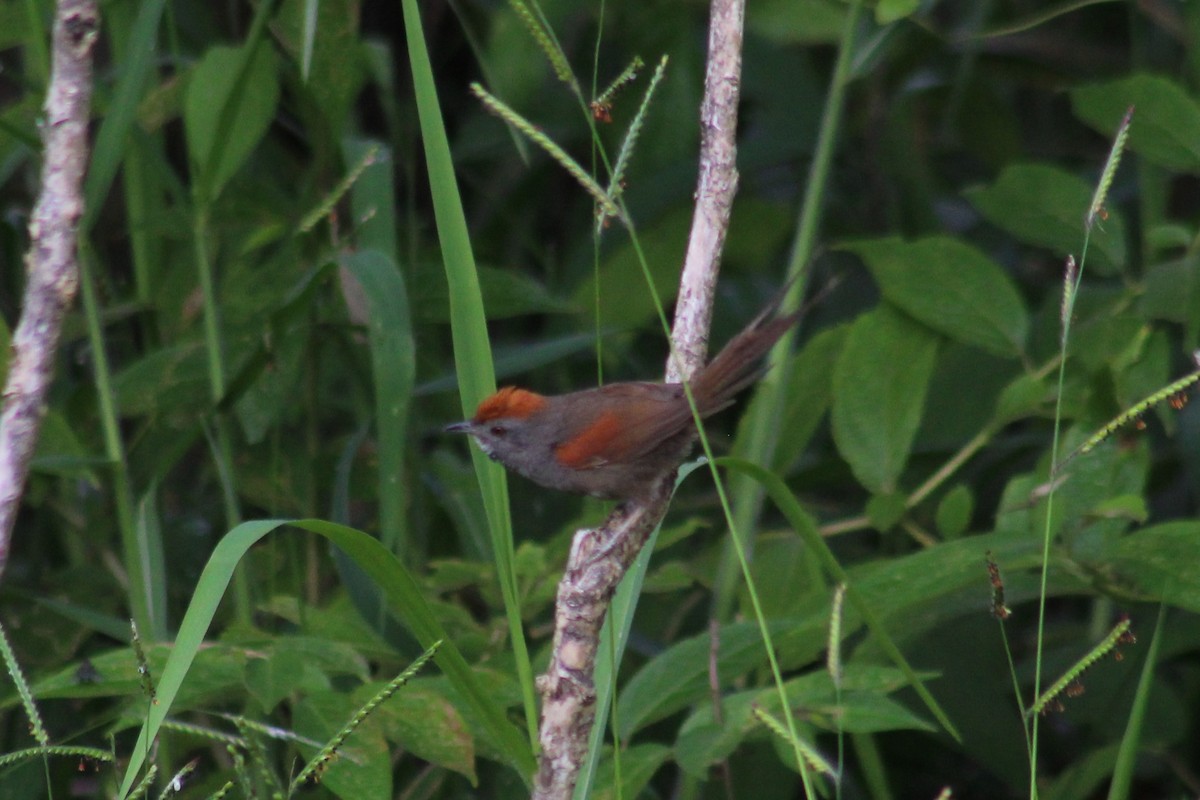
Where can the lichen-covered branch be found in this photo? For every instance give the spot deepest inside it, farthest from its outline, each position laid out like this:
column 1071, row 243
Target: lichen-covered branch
column 52, row 270
column 600, row 558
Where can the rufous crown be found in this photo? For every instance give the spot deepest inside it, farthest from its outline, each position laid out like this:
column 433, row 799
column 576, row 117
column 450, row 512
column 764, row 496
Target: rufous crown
column 509, row 402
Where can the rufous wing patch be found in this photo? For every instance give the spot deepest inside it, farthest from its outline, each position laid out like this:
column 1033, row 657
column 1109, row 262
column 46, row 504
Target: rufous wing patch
column 509, row 402
column 592, row 446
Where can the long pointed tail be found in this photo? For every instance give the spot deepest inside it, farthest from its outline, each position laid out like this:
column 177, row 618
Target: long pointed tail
column 739, row 363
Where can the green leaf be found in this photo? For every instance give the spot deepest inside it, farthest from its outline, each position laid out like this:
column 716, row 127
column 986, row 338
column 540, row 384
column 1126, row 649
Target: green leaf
column 212, row 88
column 809, row 393
column 879, row 388
column 299, row 664
column 362, row 768
column 1025, row 395
column 1046, row 206
column 1163, row 562
column 423, row 722
column 951, row 287
column 1166, row 122
column 954, row 512
column 674, row 678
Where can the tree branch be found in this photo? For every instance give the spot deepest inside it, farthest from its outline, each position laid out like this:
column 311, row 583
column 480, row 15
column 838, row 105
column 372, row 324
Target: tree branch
column 51, row 266
column 600, row 558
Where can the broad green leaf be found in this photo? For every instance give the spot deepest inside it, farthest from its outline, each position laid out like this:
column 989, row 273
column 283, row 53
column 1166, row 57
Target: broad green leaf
column 678, row 675
column 1046, row 205
column 879, row 388
column 472, row 350
column 809, row 392
column 423, row 722
column 299, row 664
column 1166, row 122
column 216, row 100
column 951, row 287
column 1163, row 563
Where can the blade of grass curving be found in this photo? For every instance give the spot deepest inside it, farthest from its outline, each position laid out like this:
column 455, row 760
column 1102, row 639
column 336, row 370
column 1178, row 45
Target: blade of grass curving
column 758, row 443
column 403, row 592
column 1131, row 740
column 779, row 493
column 393, row 362
column 472, row 351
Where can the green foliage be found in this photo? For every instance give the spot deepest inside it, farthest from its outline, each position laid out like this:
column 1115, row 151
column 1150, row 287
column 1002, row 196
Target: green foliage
column 309, row 246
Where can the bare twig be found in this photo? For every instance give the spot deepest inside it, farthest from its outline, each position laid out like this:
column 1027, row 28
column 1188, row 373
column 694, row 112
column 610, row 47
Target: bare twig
column 51, row 267
column 715, row 188
column 599, row 558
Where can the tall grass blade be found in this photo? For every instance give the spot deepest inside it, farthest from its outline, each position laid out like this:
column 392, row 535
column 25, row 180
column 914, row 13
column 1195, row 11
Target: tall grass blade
column 472, row 350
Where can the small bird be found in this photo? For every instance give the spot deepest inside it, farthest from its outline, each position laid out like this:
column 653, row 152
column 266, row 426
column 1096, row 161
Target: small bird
column 613, row 441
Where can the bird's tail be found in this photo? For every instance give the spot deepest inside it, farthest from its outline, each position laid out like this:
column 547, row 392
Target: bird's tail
column 739, row 363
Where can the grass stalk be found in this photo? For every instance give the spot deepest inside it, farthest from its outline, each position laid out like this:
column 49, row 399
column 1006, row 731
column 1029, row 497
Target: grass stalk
column 472, row 350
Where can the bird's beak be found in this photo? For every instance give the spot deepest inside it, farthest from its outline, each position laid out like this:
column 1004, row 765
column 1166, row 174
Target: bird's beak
column 458, row 427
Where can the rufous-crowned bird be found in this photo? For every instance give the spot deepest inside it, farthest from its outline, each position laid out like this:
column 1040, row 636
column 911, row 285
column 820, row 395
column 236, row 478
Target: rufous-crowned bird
column 613, row 441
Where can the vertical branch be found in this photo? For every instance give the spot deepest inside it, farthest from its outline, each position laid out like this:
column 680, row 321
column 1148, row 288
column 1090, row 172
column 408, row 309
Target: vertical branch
column 52, row 269
column 715, row 188
column 599, row 558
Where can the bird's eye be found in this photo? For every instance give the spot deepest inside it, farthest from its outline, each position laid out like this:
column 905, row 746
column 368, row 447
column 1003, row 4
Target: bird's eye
column 498, row 430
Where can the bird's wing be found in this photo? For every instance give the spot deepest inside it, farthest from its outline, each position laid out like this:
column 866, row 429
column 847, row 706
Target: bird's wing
column 634, row 419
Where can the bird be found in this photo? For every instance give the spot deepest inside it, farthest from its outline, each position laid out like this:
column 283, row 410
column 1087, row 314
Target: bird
column 615, row 440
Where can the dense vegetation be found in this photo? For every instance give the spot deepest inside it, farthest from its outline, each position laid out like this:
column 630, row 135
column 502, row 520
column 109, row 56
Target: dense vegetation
column 265, row 332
